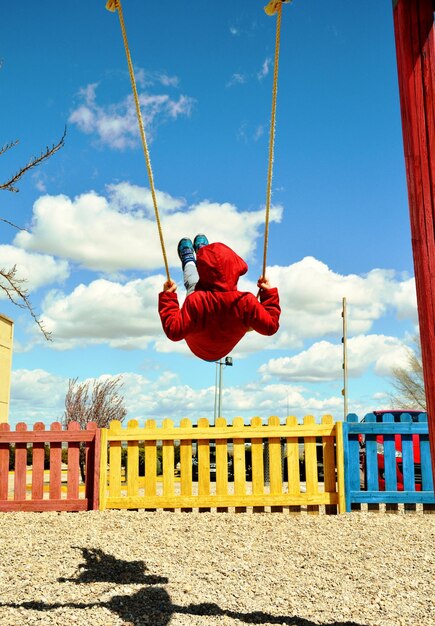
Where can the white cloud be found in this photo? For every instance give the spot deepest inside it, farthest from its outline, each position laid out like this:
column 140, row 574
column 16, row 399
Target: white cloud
column 237, row 79
column 116, row 125
column 323, row 360
column 36, row 395
column 120, row 234
column 123, row 316
column 311, row 300
column 265, row 68
column 36, row 269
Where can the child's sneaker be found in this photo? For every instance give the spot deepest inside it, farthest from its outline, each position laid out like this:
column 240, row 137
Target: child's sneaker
column 185, row 251
column 199, row 242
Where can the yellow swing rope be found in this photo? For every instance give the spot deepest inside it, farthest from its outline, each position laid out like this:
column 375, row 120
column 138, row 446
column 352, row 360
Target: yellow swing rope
column 274, row 6
column 115, row 5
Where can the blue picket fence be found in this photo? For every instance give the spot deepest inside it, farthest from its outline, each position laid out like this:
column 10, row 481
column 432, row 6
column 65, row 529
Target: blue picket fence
column 387, row 461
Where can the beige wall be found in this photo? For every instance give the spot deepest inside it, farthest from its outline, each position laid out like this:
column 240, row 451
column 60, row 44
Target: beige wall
column 6, row 341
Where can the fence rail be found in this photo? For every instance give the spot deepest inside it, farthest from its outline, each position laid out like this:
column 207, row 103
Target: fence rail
column 17, row 496
column 396, row 461
column 225, row 461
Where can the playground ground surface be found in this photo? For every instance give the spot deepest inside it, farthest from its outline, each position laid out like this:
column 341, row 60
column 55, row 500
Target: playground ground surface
column 187, row 569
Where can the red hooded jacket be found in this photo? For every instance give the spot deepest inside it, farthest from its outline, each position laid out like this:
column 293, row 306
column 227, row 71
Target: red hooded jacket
column 214, row 318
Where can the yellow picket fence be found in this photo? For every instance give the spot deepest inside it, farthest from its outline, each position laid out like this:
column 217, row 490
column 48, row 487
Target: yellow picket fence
column 273, row 452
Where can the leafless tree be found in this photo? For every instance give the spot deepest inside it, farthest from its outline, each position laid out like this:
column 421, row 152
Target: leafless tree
column 408, row 382
column 10, row 284
column 99, row 401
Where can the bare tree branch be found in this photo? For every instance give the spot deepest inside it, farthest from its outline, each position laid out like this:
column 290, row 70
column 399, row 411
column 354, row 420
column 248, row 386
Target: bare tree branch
column 12, row 286
column 11, row 224
column 18, row 295
column 8, row 146
column 34, row 162
column 409, row 383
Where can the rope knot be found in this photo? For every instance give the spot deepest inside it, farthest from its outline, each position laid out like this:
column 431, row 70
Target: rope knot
column 273, row 6
column 111, row 5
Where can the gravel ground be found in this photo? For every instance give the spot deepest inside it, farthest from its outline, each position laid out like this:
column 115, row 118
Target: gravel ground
column 142, row 568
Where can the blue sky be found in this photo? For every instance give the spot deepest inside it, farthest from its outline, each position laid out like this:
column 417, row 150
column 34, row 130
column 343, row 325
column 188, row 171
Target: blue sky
column 91, row 252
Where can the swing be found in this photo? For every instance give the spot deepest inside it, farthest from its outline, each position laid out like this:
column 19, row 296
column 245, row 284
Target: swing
column 274, row 7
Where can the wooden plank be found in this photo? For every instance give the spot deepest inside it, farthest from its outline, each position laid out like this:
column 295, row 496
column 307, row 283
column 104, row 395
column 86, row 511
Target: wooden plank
column 38, row 465
column 329, row 466
column 240, row 432
column 46, row 436
column 390, row 463
column 221, row 464
column 93, row 498
column 408, row 458
column 20, row 464
column 55, row 465
column 275, row 463
column 39, row 506
column 340, row 467
column 394, row 497
column 204, row 461
column 186, row 464
column 168, row 462
column 73, row 472
column 311, row 464
column 92, row 468
column 293, row 465
column 239, row 463
column 257, row 460
column 115, row 467
column 133, row 463
column 102, row 504
column 4, row 462
column 150, row 461
column 214, row 501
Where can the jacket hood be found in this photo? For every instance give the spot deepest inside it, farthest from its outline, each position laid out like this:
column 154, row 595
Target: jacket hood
column 219, row 268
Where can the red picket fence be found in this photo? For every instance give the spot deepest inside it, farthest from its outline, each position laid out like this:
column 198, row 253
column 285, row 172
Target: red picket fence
column 13, row 487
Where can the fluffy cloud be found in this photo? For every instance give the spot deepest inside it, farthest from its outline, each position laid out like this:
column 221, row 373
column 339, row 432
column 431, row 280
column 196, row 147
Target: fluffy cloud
column 36, row 395
column 323, row 360
column 116, row 125
column 119, row 233
column 311, row 299
column 36, row 269
column 123, row 316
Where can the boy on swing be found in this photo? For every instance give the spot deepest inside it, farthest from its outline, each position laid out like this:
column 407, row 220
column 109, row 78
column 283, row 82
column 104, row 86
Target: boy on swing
column 215, row 314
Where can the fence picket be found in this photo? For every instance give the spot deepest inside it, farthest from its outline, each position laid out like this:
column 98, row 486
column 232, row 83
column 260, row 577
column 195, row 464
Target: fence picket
column 221, row 464
column 239, row 464
column 55, row 488
column 293, row 465
column 132, row 463
column 73, row 472
column 275, row 464
column 168, row 462
column 114, row 460
column 203, row 464
column 4, row 464
column 20, row 465
column 38, row 465
column 186, row 465
column 311, row 472
column 329, row 465
column 150, row 462
column 257, row 460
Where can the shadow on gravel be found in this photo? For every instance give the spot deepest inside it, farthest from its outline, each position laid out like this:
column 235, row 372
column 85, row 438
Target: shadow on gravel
column 151, row 605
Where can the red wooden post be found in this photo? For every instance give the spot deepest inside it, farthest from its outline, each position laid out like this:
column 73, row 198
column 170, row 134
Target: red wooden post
column 415, row 49
column 73, row 463
column 55, row 464
column 4, row 463
column 38, row 465
column 20, row 465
